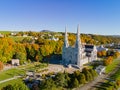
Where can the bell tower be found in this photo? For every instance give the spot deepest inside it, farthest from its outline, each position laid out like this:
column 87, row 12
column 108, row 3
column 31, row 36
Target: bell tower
column 78, row 46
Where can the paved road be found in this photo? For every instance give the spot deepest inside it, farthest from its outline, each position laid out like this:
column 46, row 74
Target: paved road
column 15, row 77
column 90, row 85
column 97, row 82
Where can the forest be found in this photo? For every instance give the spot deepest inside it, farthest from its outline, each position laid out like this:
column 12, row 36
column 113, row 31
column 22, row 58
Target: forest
column 29, row 49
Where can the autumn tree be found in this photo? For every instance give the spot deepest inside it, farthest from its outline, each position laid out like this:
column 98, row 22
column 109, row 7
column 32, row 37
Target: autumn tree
column 108, row 61
column 1, row 66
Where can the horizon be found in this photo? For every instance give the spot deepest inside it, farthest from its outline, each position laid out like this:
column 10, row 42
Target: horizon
column 94, row 16
column 57, row 32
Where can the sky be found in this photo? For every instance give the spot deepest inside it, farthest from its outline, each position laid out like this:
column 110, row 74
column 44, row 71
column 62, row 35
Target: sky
column 93, row 16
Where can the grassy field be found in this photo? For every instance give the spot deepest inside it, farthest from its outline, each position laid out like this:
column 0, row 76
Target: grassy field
column 5, row 32
column 20, row 70
column 33, row 66
column 116, row 76
column 113, row 65
column 10, row 83
column 11, row 73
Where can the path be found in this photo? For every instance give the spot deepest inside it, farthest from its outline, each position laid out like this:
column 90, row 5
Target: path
column 97, row 82
column 15, row 77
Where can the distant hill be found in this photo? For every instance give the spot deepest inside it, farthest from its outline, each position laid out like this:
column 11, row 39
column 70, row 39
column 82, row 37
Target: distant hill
column 46, row 31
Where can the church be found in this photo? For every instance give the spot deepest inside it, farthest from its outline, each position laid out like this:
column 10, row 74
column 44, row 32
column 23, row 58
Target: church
column 79, row 54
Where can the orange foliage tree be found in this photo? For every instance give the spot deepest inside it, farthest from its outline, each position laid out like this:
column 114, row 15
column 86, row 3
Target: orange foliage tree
column 1, row 66
column 108, row 61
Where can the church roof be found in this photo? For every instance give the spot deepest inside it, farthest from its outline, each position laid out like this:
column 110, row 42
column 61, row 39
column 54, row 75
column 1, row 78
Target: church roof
column 89, row 46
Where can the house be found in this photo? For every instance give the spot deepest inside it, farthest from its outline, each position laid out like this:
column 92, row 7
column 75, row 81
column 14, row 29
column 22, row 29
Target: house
column 100, row 69
column 1, row 35
column 13, row 34
column 15, row 62
column 101, row 48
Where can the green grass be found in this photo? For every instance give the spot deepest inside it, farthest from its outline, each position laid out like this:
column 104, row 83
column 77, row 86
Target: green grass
column 5, row 32
column 21, row 70
column 116, row 76
column 10, row 83
column 113, row 65
column 11, row 73
column 33, row 66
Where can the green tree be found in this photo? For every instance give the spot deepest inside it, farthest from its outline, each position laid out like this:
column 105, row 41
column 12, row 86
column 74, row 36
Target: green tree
column 48, row 84
column 8, row 87
column 81, row 78
column 75, row 83
column 60, row 80
column 87, row 74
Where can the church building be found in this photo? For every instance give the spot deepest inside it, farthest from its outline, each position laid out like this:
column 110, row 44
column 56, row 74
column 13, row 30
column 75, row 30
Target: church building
column 79, row 54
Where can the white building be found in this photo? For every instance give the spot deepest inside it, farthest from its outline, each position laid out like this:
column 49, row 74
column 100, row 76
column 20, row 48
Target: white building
column 79, row 54
column 100, row 69
column 101, row 48
column 15, row 62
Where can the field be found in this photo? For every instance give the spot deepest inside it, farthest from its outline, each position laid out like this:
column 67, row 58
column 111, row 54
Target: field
column 11, row 73
column 116, row 76
column 5, row 32
column 113, row 65
column 10, row 83
column 20, row 70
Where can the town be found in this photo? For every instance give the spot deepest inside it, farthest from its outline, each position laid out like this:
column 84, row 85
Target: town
column 35, row 58
column 59, row 45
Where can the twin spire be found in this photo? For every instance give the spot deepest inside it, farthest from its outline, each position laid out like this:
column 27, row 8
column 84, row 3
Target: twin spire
column 77, row 44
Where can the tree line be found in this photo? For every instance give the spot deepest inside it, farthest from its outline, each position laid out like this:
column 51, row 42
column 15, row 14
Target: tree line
column 43, row 48
column 67, row 80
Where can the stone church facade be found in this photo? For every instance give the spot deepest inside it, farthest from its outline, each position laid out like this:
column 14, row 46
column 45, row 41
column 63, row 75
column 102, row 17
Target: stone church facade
column 79, row 54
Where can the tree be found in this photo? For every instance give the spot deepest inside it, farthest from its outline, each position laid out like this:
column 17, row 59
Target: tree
column 104, row 53
column 60, row 80
column 20, row 86
column 87, row 74
column 8, row 87
column 81, row 78
column 1, row 66
column 17, row 86
column 116, row 54
column 75, row 83
column 93, row 72
column 108, row 61
column 48, row 84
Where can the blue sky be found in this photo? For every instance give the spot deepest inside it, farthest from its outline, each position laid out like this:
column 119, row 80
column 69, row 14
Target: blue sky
column 94, row 16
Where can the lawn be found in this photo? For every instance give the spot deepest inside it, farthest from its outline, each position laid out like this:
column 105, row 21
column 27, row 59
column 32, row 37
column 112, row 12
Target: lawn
column 116, row 76
column 11, row 73
column 5, row 32
column 10, row 83
column 33, row 66
column 20, row 70
column 113, row 65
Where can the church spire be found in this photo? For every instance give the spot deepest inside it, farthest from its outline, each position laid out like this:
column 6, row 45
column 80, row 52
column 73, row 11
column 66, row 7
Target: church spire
column 66, row 44
column 78, row 41
column 78, row 46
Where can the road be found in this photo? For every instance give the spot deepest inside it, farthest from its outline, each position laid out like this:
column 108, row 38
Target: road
column 97, row 81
